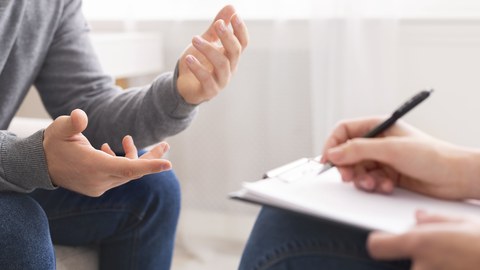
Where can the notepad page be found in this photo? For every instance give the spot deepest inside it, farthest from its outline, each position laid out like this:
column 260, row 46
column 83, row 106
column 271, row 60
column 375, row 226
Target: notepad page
column 328, row 197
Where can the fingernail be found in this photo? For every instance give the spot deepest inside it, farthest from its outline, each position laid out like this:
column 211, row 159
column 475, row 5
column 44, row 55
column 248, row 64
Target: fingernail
column 166, row 147
column 421, row 214
column 387, row 187
column 238, row 20
column 166, row 167
column 366, row 184
column 222, row 28
column 197, row 41
column 190, row 59
column 127, row 138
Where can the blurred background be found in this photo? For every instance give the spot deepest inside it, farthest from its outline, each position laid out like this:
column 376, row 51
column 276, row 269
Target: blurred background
column 309, row 64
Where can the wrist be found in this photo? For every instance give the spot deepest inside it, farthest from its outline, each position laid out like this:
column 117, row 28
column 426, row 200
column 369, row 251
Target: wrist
column 188, row 97
column 469, row 173
column 181, row 85
column 165, row 91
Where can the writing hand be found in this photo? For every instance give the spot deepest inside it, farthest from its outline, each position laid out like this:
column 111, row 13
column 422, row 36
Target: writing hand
column 205, row 68
column 75, row 165
column 402, row 156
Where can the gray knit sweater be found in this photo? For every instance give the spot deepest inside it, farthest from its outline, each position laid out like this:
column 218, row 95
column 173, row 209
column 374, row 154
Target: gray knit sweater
column 45, row 43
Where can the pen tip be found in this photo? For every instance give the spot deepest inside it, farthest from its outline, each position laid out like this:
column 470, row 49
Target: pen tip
column 327, row 166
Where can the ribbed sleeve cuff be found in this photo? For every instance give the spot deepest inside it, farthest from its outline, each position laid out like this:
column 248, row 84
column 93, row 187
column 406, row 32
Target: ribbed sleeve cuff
column 24, row 163
column 175, row 104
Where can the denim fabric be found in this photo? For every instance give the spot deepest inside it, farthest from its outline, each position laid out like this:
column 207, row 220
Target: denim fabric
column 24, row 234
column 282, row 240
column 133, row 225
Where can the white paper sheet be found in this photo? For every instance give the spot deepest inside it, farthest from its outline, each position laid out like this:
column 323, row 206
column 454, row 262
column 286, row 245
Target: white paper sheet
column 326, row 196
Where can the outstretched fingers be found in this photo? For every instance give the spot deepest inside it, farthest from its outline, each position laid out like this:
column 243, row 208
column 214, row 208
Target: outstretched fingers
column 106, row 148
column 131, row 167
column 129, row 147
column 157, row 151
column 128, row 169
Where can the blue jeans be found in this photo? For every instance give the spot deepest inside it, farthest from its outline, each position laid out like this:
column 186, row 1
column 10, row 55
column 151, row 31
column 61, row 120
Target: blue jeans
column 282, row 240
column 133, row 225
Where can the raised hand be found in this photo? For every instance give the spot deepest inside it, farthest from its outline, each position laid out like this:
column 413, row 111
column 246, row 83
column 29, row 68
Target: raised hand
column 206, row 67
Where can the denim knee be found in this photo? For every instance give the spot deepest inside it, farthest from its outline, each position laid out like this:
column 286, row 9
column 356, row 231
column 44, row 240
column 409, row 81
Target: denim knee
column 160, row 193
column 147, row 239
column 24, row 233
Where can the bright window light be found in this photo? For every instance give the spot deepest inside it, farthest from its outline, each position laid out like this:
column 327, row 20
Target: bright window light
column 273, row 9
column 193, row 9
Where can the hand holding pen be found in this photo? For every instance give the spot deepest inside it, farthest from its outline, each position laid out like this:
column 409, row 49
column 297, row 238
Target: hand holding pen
column 401, row 156
column 382, row 127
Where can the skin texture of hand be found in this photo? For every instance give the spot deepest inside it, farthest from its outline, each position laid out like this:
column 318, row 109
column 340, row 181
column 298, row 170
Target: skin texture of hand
column 435, row 243
column 403, row 156
column 206, row 67
column 75, row 165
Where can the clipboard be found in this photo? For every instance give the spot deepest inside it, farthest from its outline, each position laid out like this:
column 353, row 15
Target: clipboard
column 297, row 187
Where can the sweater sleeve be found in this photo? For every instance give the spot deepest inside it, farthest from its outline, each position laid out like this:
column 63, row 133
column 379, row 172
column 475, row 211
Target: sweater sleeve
column 23, row 166
column 72, row 77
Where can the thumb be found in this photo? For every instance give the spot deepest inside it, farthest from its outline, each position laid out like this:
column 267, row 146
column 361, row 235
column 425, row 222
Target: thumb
column 67, row 126
column 385, row 246
column 224, row 14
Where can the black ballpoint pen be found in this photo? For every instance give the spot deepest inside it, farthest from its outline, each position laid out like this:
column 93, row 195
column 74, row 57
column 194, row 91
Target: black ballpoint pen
column 406, row 107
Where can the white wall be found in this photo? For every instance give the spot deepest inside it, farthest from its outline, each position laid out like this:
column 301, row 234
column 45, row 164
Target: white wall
column 444, row 55
column 268, row 9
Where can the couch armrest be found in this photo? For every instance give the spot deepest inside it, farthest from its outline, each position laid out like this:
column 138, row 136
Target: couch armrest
column 24, row 127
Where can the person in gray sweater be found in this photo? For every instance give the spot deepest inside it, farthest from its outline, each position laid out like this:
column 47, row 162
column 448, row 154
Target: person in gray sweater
column 66, row 183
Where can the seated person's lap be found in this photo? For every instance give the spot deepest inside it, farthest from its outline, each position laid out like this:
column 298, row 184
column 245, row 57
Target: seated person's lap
column 285, row 240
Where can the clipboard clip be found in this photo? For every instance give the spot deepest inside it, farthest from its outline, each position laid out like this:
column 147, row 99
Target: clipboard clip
column 300, row 169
